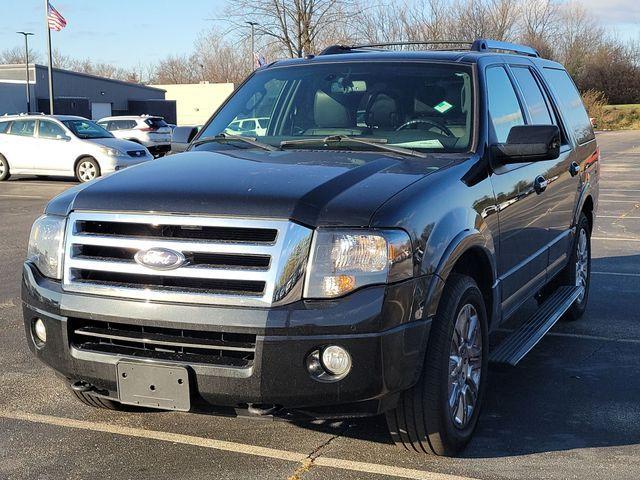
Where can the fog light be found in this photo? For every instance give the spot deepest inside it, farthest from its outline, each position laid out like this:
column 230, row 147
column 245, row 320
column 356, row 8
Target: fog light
column 40, row 331
column 336, row 360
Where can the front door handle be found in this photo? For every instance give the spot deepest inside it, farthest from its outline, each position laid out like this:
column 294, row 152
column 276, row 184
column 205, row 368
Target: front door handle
column 574, row 169
column 540, row 184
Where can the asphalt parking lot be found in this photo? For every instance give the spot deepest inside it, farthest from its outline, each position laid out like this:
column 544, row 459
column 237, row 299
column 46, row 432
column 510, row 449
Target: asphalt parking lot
column 571, row 408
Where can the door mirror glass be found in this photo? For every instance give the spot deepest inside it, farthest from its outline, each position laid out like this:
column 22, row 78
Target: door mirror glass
column 528, row 143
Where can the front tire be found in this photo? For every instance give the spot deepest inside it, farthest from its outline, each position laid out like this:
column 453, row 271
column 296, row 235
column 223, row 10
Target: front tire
column 87, row 169
column 439, row 414
column 5, row 174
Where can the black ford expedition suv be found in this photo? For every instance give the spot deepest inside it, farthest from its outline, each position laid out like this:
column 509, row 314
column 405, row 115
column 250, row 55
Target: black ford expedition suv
column 349, row 260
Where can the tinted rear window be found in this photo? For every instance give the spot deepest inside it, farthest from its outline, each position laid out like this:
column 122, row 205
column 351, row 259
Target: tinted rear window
column 571, row 104
column 4, row 126
column 156, row 122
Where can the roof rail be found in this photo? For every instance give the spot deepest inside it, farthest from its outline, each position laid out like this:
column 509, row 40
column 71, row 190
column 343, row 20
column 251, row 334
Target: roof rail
column 487, row 44
column 479, row 45
column 336, row 49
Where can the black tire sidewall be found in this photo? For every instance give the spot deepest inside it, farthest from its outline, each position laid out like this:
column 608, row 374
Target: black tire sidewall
column 7, row 172
column 578, row 308
column 463, row 290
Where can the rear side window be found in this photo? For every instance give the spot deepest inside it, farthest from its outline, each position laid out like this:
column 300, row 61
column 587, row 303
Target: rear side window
column 533, row 97
column 23, row 128
column 571, row 104
column 156, row 122
column 4, row 126
column 504, row 108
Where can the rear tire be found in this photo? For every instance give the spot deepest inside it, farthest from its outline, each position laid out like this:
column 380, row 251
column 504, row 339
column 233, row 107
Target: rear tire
column 87, row 169
column 5, row 173
column 433, row 416
column 96, row 402
column 578, row 270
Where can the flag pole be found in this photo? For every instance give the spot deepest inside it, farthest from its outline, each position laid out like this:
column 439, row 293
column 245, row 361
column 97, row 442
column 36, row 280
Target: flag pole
column 46, row 22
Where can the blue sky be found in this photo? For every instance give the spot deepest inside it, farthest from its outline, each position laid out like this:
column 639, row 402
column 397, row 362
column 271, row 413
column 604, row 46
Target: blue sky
column 122, row 32
column 132, row 32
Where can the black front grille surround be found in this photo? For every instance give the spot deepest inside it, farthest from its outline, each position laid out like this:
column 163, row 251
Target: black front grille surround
column 229, row 349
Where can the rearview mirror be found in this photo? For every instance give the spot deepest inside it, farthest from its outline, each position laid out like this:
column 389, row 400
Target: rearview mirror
column 529, row 143
column 181, row 138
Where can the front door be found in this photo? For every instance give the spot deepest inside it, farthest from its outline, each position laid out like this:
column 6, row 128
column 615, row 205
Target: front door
column 54, row 140
column 522, row 207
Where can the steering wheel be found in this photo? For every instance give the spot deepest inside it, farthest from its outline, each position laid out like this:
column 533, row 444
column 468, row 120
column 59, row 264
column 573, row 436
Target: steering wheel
column 431, row 124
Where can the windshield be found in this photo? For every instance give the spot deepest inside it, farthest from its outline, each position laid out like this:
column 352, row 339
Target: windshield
column 421, row 106
column 86, row 129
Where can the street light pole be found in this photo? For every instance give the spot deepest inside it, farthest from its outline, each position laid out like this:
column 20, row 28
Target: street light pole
column 26, row 52
column 253, row 43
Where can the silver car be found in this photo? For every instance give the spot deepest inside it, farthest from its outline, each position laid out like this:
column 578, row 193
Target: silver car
column 63, row 145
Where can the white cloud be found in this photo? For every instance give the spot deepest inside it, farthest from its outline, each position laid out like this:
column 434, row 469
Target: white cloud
column 614, row 11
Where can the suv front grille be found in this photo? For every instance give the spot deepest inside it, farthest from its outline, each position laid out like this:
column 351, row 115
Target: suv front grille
column 190, row 346
column 225, row 261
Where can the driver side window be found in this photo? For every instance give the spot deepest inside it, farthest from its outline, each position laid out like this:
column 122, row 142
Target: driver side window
column 50, row 130
column 504, row 108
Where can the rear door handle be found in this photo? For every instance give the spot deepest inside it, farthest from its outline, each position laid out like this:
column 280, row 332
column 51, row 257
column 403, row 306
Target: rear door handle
column 540, row 184
column 574, row 169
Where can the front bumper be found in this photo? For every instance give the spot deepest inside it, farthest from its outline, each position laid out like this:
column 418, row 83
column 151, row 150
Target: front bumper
column 379, row 326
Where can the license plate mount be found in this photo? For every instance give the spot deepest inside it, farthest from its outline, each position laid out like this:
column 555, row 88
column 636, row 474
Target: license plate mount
column 164, row 387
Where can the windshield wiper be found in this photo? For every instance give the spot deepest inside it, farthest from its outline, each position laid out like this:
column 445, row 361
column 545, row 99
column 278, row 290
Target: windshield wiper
column 379, row 143
column 223, row 137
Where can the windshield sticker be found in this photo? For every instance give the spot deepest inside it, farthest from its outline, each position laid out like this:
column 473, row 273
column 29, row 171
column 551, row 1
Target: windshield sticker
column 443, row 106
column 420, row 144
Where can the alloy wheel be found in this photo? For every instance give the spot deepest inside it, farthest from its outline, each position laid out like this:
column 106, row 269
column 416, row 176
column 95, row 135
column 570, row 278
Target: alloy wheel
column 465, row 366
column 87, row 171
column 582, row 263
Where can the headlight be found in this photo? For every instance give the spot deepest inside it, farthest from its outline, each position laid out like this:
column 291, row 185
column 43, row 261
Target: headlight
column 344, row 260
column 45, row 245
column 112, row 152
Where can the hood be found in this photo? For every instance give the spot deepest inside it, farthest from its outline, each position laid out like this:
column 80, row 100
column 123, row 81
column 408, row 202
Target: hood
column 311, row 187
column 116, row 143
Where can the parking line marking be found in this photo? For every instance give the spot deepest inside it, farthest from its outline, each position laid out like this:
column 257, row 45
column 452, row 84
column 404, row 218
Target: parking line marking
column 617, row 239
column 619, row 217
column 234, row 447
column 24, row 196
column 619, row 274
column 618, row 201
column 580, row 336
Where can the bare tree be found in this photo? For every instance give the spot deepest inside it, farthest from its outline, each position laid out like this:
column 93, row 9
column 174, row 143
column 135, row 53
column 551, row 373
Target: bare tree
column 296, row 26
column 17, row 55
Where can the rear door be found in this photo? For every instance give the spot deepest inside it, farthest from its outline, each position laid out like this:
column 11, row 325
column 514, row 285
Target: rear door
column 20, row 147
column 159, row 130
column 579, row 147
column 522, row 210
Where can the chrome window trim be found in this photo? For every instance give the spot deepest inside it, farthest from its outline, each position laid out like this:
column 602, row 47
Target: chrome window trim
column 283, row 279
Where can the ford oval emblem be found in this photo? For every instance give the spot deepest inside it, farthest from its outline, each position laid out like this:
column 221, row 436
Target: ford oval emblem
column 160, row 259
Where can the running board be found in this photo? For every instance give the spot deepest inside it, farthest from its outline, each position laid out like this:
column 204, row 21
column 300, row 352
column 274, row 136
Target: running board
column 521, row 341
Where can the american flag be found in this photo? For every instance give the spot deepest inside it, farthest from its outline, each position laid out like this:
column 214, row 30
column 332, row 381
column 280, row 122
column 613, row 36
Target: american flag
column 55, row 20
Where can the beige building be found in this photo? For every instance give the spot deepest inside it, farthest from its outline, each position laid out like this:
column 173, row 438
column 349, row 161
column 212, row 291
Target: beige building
column 196, row 102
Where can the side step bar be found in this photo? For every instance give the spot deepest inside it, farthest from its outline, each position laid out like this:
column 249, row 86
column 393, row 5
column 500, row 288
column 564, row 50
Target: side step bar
column 520, row 342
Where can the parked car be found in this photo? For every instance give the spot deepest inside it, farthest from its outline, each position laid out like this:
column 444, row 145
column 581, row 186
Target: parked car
column 341, row 264
column 248, row 126
column 63, row 145
column 150, row 131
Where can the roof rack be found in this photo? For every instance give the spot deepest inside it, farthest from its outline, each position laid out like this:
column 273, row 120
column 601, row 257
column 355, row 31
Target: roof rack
column 487, row 44
column 479, row 45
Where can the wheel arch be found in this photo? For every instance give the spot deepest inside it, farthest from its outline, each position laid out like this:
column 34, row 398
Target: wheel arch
column 471, row 254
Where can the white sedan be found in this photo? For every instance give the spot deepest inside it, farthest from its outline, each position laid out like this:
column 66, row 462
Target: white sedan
column 63, row 145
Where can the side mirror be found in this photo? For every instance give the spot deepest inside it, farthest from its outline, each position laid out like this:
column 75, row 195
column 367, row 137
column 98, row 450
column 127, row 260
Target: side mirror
column 66, row 138
column 529, row 143
column 181, row 138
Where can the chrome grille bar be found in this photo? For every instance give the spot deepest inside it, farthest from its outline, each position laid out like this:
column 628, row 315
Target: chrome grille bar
column 287, row 258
